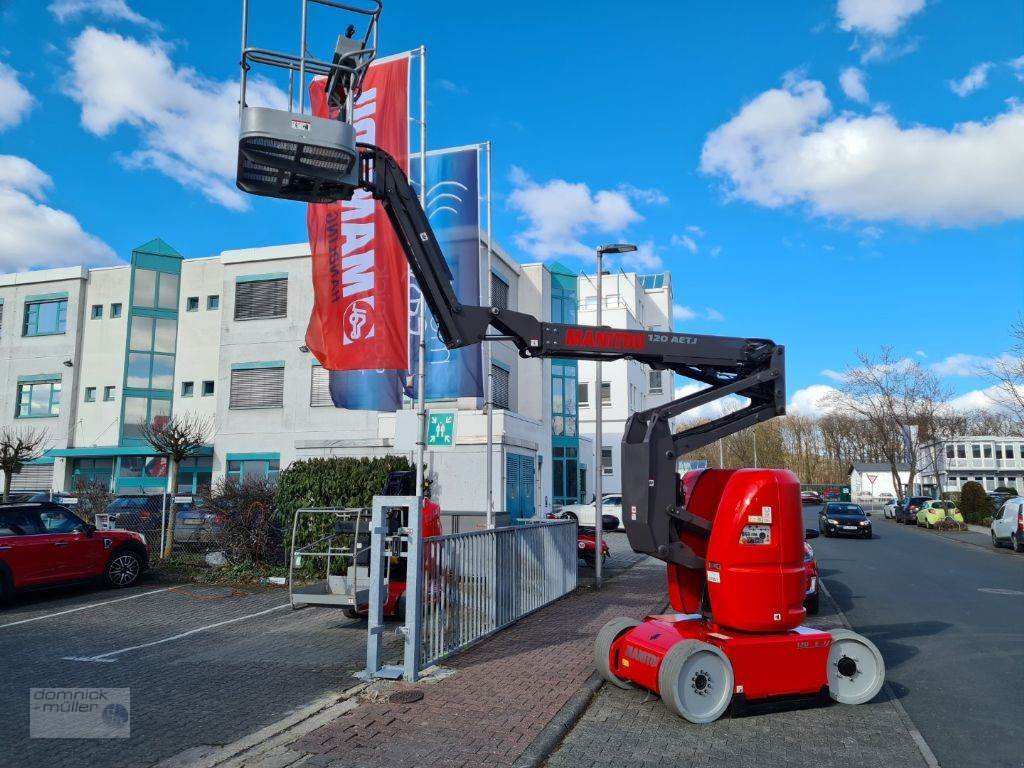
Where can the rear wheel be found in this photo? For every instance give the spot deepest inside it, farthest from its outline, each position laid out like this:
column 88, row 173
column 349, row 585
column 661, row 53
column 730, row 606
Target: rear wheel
column 123, row 570
column 813, row 604
column 696, row 681
column 1018, row 542
column 609, row 633
column 6, row 588
column 856, row 669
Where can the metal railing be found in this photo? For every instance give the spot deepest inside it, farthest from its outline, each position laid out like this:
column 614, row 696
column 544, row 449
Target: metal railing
column 478, row 582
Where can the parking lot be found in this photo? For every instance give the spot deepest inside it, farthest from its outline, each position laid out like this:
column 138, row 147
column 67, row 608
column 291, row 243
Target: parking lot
column 205, row 665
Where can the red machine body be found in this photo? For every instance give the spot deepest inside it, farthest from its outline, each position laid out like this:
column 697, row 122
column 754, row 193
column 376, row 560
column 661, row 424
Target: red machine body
column 746, row 527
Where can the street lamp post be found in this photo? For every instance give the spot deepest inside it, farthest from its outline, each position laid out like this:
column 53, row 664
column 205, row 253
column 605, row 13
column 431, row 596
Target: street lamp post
column 599, row 405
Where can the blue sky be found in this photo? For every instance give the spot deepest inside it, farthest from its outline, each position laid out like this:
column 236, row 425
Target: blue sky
column 835, row 176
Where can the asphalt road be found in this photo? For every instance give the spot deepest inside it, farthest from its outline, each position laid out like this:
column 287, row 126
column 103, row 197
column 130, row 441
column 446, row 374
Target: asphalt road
column 948, row 616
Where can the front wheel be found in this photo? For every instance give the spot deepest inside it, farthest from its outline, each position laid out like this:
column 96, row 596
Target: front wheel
column 995, row 541
column 813, row 604
column 696, row 681
column 856, row 669
column 123, row 570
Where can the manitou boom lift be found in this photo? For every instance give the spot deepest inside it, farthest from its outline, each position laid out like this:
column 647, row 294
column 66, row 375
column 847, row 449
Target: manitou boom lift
column 732, row 539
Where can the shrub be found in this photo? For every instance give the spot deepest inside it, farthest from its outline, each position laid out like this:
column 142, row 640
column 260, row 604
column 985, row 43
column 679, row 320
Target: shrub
column 1006, row 489
column 975, row 504
column 94, row 497
column 249, row 531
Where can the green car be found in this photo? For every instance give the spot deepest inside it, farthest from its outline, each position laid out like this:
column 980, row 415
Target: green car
column 935, row 511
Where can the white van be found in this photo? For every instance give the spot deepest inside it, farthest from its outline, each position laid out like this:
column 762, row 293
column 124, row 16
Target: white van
column 1008, row 524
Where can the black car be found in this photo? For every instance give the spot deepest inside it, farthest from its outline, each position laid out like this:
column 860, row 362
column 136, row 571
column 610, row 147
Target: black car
column 839, row 518
column 906, row 511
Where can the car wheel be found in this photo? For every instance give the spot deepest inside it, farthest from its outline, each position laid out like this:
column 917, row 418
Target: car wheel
column 812, row 604
column 6, row 588
column 123, row 570
column 995, row 541
column 571, row 516
column 1018, row 543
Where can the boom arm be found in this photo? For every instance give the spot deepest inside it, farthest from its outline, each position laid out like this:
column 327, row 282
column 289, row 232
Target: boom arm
column 750, row 368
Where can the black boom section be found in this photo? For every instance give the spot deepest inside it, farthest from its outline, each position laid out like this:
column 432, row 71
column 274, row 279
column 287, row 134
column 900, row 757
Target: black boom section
column 750, row 368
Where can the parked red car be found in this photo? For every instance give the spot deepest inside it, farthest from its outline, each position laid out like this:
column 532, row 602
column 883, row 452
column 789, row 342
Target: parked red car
column 42, row 544
column 811, row 600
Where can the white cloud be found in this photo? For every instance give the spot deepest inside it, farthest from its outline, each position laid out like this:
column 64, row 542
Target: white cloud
column 15, row 99
column 679, row 312
column 876, row 17
column 558, row 213
column 811, row 401
column 187, row 124
column 644, row 258
column 828, row 373
column 785, row 148
column 921, row 353
column 714, row 315
column 108, row 9
column 972, row 81
column 716, row 250
column 649, row 196
column 695, row 230
column 711, row 410
column 34, row 235
column 684, row 241
column 977, row 400
column 963, row 364
column 451, row 87
column 1017, row 65
column 851, row 80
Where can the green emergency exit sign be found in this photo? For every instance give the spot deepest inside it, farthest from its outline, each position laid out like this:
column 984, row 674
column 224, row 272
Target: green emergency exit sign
column 441, row 429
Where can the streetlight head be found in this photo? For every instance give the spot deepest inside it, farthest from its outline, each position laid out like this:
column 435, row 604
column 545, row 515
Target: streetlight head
column 617, row 248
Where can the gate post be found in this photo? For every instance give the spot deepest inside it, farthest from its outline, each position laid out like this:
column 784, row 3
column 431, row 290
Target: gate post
column 414, row 590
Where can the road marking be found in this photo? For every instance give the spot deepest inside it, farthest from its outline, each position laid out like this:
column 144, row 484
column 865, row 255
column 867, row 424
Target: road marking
column 105, row 657
column 999, row 591
column 84, row 608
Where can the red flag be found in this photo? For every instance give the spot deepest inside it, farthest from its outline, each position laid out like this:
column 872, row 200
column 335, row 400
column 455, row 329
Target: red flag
column 360, row 273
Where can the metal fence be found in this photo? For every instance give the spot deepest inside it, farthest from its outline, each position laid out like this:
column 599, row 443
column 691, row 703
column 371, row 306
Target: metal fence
column 478, row 582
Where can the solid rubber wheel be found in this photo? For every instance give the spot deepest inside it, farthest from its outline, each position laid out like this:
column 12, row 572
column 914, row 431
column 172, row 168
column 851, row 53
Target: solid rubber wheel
column 696, row 681
column 351, row 612
column 813, row 604
column 856, row 669
column 609, row 633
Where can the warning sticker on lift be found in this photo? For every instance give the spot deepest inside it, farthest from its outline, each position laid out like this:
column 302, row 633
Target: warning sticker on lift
column 764, row 517
column 715, row 577
column 632, row 512
column 756, row 534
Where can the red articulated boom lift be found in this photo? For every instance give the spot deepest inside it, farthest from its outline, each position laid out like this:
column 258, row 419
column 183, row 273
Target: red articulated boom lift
column 732, row 539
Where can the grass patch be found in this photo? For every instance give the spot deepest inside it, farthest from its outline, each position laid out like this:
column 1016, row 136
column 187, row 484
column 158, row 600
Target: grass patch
column 193, row 568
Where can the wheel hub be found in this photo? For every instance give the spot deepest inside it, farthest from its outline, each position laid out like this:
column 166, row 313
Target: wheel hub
column 847, row 667
column 701, row 683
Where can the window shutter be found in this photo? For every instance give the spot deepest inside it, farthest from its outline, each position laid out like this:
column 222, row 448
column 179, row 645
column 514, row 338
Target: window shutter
column 257, row 388
column 499, row 292
column 33, row 477
column 499, row 391
column 261, row 299
column 320, row 389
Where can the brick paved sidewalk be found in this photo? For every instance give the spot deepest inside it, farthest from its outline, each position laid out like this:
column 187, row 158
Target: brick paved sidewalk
column 501, row 696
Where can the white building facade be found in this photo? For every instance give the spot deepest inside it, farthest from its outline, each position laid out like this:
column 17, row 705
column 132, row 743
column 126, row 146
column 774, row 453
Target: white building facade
column 631, row 302
column 874, row 480
column 90, row 355
column 994, row 461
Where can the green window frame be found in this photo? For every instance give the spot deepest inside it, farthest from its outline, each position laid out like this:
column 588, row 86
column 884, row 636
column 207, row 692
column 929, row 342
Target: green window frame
column 96, row 313
column 45, row 317
column 242, row 465
column 108, row 393
column 153, row 289
column 188, row 388
column 90, row 394
column 192, row 304
column 38, row 399
column 152, row 343
column 195, row 474
column 115, row 310
column 213, row 301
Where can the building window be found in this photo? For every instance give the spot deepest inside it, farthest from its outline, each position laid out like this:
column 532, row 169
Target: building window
column 192, row 304
column 108, row 394
column 195, row 474
column 241, row 466
column 606, row 461
column 92, row 471
column 499, row 292
column 961, row 451
column 96, row 313
column 499, row 386
column 999, row 451
column 975, row 451
column 320, row 387
column 949, row 451
column 987, row 450
column 261, row 299
column 654, row 385
column 563, row 398
column 187, row 388
column 38, row 398
column 90, row 394
column 213, row 301
column 115, row 309
column 43, row 318
column 140, row 411
column 584, row 393
column 151, row 347
column 606, row 393
column 155, row 290
column 1009, row 450
column 257, row 385
column 207, row 388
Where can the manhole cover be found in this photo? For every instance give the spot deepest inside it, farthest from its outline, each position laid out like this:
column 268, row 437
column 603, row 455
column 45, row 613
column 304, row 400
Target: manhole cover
column 405, row 697
column 999, row 591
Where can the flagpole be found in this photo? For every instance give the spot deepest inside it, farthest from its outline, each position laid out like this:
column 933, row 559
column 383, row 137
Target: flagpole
column 421, row 367
column 490, row 378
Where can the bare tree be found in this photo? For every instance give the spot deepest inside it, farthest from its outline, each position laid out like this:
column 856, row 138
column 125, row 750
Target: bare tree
column 898, row 402
column 17, row 448
column 180, row 437
column 1008, row 373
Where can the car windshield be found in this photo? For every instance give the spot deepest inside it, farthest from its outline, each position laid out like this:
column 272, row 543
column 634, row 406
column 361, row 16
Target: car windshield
column 845, row 509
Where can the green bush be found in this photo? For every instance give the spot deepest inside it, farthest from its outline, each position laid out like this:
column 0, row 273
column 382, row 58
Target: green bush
column 1006, row 489
column 975, row 504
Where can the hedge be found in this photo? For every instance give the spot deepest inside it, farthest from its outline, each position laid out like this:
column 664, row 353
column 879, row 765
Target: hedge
column 975, row 505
